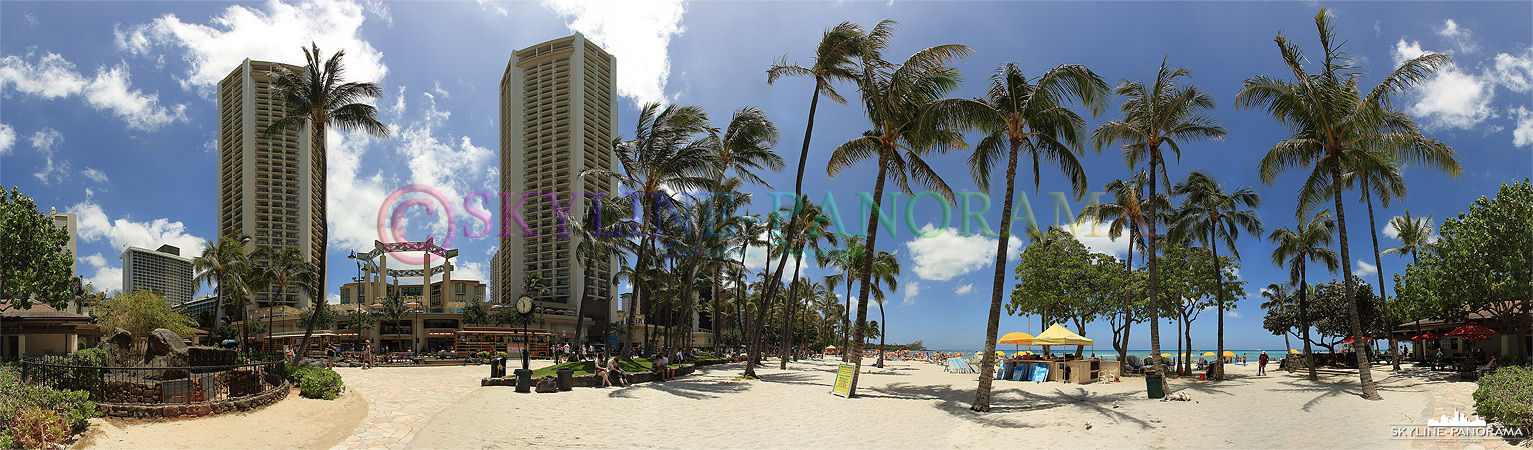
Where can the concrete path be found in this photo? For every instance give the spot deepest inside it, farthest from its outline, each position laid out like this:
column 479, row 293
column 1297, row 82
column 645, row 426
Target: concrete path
column 402, row 400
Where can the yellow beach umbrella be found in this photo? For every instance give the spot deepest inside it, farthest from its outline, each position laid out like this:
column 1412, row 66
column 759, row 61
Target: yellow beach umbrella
column 1165, row 355
column 1016, row 338
column 1229, row 354
column 1000, row 353
column 1058, row 335
column 1210, row 353
column 1292, row 351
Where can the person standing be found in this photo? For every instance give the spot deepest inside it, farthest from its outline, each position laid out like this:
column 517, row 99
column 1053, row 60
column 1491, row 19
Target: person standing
column 367, row 356
column 1261, row 364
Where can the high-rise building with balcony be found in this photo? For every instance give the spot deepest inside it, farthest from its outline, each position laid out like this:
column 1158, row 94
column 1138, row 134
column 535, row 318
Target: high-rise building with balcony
column 558, row 114
column 268, row 186
column 162, row 270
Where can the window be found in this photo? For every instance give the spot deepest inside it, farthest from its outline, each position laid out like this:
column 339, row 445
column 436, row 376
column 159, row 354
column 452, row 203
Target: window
column 461, row 288
column 479, row 290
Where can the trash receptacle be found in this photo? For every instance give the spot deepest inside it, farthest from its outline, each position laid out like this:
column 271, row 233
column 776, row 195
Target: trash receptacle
column 523, row 381
column 1155, row 385
column 497, row 367
column 566, row 378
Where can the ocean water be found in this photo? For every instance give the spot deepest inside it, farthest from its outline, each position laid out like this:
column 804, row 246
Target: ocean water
column 1109, row 354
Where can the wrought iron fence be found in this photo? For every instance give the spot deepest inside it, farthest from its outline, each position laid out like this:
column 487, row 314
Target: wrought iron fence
column 160, row 385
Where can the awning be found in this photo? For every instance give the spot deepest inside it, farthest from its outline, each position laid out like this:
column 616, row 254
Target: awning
column 1058, row 335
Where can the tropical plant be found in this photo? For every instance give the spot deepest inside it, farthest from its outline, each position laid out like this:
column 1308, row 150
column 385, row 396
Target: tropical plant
column 1337, row 129
column 35, row 264
column 1126, row 211
column 1414, row 233
column 315, row 95
column 897, row 99
column 1296, row 248
column 1388, row 184
column 1278, row 296
column 221, row 264
column 1162, row 114
column 286, row 269
column 140, row 312
column 1019, row 115
column 1213, row 215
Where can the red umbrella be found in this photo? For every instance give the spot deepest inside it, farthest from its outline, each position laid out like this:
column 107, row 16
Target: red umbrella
column 1350, row 340
column 1428, row 336
column 1474, row 337
column 1472, row 330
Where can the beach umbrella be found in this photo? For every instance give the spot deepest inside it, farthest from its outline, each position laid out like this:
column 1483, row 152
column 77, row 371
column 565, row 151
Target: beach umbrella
column 1210, row 353
column 1427, row 336
column 1474, row 337
column 1293, row 351
column 1165, row 355
column 1229, row 354
column 1350, row 339
column 1058, row 335
column 1472, row 330
column 1016, row 338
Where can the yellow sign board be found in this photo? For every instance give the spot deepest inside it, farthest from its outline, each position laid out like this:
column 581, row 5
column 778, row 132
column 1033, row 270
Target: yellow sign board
column 844, row 380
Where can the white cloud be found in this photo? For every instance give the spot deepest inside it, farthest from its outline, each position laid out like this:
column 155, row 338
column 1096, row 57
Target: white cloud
column 1522, row 136
column 1459, row 36
column 947, row 254
column 1233, row 314
column 106, row 278
column 1450, row 98
column 53, row 77
column 46, row 142
column 94, row 175
column 1364, row 269
column 638, row 33
column 332, row 298
column 94, row 225
column 912, row 290
column 1096, row 240
column 437, row 89
column 1515, row 71
column 490, row 6
column 964, row 289
column 276, row 32
column 7, row 138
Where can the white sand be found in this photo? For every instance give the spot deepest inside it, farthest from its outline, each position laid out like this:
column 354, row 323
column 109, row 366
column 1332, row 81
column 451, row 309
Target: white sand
column 294, row 422
column 917, row 405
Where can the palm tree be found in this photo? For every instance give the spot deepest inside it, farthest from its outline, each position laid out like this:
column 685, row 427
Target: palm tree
column 846, row 259
column 1126, row 211
column 1168, row 114
column 664, row 153
column 1278, row 297
column 1414, row 234
column 1336, row 129
column 221, row 263
column 812, row 230
column 1388, row 184
column 898, row 100
column 287, row 268
column 886, row 272
column 316, row 96
column 1016, row 115
column 1215, row 215
column 1295, row 248
column 833, row 61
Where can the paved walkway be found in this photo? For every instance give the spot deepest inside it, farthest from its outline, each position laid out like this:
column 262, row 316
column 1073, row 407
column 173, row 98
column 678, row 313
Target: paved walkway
column 402, row 400
column 1450, row 396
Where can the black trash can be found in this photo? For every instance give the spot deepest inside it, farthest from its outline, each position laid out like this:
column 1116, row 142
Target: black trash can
column 497, row 367
column 523, row 380
column 1155, row 385
column 566, row 378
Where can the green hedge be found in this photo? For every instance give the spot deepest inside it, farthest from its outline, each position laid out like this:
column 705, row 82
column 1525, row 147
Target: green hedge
column 589, row 367
column 1506, row 396
column 316, row 382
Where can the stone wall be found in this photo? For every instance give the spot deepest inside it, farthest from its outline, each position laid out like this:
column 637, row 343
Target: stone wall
column 196, row 409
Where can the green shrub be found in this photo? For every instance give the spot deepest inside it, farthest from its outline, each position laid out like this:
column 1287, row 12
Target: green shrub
column 320, row 383
column 296, row 374
column 1506, row 396
column 37, row 428
column 15, row 396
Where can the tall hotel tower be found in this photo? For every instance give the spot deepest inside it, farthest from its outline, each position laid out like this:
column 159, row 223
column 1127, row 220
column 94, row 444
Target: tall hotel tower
column 558, row 114
column 268, row 189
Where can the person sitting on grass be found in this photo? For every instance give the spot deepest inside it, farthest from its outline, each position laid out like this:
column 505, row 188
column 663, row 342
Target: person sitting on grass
column 660, row 370
column 615, row 372
column 601, row 372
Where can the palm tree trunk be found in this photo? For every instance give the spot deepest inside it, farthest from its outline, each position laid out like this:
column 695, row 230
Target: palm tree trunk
column 768, row 291
column 1364, row 370
column 1128, row 292
column 1180, row 369
column 1309, row 355
column 867, row 271
column 787, row 320
column 1160, row 366
column 1218, row 299
column 1378, row 264
column 846, row 315
column 993, row 320
column 883, row 325
column 320, row 155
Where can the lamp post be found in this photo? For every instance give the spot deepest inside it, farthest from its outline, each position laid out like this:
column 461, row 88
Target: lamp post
column 415, row 307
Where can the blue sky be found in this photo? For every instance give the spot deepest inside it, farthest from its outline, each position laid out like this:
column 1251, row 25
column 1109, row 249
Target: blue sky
column 106, row 110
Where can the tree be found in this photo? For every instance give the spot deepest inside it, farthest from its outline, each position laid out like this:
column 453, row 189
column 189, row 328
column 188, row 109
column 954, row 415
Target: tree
column 1214, row 216
column 221, row 264
column 476, row 312
column 811, row 230
column 1059, row 280
column 1388, row 184
column 34, row 265
column 1414, row 233
column 1278, row 296
column 1296, row 248
column 1127, row 211
column 315, row 96
column 833, row 61
column 287, row 268
column 1194, row 285
column 1016, row 115
column 140, row 312
column 1336, row 129
column 898, row 100
column 1164, row 113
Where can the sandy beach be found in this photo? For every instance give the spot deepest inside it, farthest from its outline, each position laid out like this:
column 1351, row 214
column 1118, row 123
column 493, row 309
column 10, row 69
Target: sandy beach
column 907, row 405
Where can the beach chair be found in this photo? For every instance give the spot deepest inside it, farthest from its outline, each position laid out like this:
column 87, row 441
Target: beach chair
column 1133, row 365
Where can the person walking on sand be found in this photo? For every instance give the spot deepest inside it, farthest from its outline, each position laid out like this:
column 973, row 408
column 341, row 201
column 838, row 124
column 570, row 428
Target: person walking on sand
column 1261, row 364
